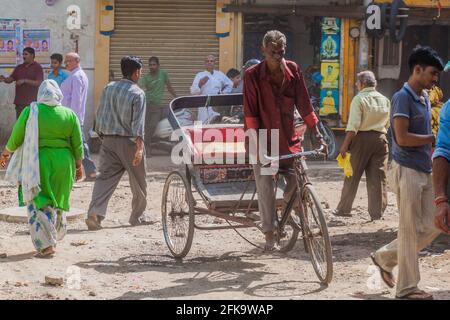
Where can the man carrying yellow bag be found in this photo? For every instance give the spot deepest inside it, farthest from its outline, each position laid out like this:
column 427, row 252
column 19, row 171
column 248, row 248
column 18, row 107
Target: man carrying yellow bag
column 366, row 139
column 344, row 163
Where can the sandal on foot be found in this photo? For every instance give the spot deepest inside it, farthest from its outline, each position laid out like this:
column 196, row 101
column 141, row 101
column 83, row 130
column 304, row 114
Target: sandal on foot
column 92, row 224
column 387, row 277
column 417, row 295
column 45, row 254
column 339, row 213
column 271, row 246
column 141, row 221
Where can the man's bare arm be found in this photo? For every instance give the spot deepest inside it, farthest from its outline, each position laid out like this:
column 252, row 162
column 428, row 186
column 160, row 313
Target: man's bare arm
column 171, row 89
column 407, row 139
column 34, row 83
column 441, row 168
column 7, row 79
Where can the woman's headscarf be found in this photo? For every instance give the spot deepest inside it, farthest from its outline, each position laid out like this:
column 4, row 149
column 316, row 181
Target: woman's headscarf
column 49, row 93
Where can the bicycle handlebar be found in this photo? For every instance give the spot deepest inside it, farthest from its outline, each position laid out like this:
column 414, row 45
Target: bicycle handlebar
column 316, row 152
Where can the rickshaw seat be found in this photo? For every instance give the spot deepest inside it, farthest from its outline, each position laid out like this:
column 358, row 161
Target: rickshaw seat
column 209, row 142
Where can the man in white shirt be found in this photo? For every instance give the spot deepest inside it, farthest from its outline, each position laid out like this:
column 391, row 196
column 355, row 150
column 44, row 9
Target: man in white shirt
column 210, row 82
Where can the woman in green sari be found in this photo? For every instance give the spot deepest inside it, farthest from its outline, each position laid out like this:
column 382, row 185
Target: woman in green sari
column 47, row 150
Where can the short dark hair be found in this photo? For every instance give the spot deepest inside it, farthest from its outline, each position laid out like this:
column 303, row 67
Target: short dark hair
column 57, row 56
column 10, row 41
column 154, row 59
column 129, row 65
column 30, row 51
column 425, row 56
column 233, row 73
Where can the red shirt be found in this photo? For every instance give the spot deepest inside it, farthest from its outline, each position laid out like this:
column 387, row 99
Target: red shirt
column 25, row 94
column 268, row 107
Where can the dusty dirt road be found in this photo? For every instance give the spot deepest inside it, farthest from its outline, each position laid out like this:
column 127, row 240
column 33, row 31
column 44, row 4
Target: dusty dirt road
column 121, row 262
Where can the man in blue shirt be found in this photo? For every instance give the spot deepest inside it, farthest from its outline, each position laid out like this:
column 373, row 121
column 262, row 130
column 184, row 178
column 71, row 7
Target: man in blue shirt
column 410, row 176
column 441, row 171
column 57, row 73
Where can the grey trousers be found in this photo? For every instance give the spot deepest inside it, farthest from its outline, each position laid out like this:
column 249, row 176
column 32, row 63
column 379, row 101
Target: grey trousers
column 265, row 188
column 116, row 157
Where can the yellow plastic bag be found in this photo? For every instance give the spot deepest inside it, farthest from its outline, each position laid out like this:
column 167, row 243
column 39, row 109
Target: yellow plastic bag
column 345, row 164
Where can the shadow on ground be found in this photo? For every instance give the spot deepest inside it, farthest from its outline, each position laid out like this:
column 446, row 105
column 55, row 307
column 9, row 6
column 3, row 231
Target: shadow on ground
column 226, row 273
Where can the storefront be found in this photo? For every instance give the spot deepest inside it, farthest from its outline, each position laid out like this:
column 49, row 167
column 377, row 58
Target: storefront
column 428, row 25
column 319, row 40
column 329, row 41
column 181, row 33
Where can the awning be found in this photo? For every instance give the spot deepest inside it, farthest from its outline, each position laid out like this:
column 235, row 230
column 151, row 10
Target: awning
column 352, row 11
column 355, row 12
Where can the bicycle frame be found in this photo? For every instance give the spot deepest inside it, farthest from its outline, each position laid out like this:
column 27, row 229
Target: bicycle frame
column 301, row 180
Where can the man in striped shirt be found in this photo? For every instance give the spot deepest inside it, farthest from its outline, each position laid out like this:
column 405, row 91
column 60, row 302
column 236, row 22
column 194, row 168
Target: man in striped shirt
column 120, row 122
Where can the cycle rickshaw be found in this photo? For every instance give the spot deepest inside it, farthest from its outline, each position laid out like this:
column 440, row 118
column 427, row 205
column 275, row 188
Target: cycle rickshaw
column 227, row 190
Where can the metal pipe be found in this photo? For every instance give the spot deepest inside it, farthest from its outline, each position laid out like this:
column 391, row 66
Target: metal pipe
column 243, row 221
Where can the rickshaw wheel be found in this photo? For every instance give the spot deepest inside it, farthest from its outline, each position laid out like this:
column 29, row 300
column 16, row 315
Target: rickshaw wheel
column 315, row 232
column 178, row 214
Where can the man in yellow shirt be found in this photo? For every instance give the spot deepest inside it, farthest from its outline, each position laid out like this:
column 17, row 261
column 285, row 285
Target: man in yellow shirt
column 366, row 140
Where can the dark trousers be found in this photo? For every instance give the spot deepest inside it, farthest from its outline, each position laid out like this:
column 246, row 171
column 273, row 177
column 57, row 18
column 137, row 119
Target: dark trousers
column 116, row 158
column 19, row 109
column 369, row 154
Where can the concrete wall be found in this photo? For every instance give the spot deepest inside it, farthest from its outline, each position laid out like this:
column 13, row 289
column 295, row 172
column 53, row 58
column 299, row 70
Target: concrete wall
column 38, row 15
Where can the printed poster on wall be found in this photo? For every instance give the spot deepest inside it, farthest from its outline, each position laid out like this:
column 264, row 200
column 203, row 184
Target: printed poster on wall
column 10, row 45
column 39, row 40
column 331, row 39
column 8, row 55
column 329, row 101
column 330, row 75
column 330, row 65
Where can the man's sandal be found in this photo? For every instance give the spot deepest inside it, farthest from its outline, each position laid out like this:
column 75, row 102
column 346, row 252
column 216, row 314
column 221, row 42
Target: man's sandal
column 92, row 224
column 387, row 277
column 271, row 246
column 339, row 213
column 417, row 295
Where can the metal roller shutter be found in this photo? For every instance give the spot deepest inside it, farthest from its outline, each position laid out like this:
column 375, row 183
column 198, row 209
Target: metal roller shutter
column 181, row 33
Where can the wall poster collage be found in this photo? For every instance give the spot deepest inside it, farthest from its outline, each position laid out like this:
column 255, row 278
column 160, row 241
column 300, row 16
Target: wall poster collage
column 330, row 66
column 13, row 38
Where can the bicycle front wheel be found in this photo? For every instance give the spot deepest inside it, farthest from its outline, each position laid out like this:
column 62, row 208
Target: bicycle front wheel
column 315, row 233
